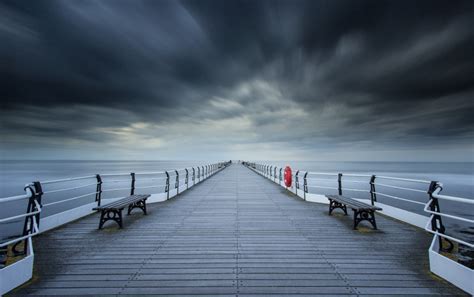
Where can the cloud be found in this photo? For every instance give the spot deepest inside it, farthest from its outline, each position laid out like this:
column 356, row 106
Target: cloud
column 208, row 79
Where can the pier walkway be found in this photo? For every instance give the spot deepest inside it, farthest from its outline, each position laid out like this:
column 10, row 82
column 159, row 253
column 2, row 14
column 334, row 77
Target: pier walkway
column 235, row 234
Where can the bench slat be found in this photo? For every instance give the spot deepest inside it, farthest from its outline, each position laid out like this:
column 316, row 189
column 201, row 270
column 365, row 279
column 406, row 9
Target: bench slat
column 123, row 202
column 352, row 203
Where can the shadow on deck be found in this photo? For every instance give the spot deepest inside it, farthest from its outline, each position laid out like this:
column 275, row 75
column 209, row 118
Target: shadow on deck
column 235, row 234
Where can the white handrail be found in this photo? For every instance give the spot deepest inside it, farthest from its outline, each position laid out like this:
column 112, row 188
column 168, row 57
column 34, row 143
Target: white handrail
column 149, row 173
column 35, row 228
column 69, row 199
column 15, row 198
column 356, row 175
column 67, row 179
column 69, row 189
column 428, row 224
column 404, row 179
column 323, row 173
column 437, row 195
column 114, row 174
column 399, row 188
column 399, row 198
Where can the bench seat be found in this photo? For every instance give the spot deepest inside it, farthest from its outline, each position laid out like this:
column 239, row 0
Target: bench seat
column 113, row 210
column 362, row 211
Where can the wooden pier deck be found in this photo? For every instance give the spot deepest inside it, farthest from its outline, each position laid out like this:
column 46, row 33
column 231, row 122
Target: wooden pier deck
column 236, row 234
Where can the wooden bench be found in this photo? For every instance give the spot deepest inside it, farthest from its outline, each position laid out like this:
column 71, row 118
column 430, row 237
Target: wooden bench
column 362, row 211
column 113, row 210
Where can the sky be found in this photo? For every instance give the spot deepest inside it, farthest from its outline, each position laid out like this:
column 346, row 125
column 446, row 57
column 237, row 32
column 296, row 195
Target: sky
column 273, row 80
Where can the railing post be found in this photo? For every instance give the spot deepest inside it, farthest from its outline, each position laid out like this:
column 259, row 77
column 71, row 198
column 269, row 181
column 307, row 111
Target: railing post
column 339, row 183
column 199, row 174
column 280, row 178
column 28, row 226
column 132, row 186
column 176, row 183
column 297, row 182
column 270, row 172
column 98, row 192
column 194, row 176
column 436, row 221
column 167, row 187
column 373, row 195
column 187, row 177
column 305, row 185
column 274, row 173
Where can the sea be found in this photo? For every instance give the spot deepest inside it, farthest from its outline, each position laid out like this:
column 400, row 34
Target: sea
column 457, row 179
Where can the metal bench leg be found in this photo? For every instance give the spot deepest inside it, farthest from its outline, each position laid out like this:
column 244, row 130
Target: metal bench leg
column 120, row 221
column 111, row 214
column 102, row 220
column 139, row 204
column 334, row 204
column 364, row 215
column 372, row 220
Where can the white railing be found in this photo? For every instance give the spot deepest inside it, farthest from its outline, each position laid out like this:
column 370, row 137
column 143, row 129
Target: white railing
column 316, row 184
column 83, row 193
column 21, row 271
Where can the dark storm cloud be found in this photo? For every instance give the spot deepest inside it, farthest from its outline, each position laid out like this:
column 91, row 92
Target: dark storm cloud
column 340, row 71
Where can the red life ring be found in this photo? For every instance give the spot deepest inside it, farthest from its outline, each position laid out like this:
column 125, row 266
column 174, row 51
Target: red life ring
column 287, row 176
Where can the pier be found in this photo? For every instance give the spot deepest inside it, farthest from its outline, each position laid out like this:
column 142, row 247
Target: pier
column 235, row 234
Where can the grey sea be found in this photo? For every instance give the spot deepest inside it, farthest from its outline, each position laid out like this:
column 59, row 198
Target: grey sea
column 458, row 179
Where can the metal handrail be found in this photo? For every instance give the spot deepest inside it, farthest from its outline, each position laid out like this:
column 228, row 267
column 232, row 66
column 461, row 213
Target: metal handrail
column 399, row 188
column 70, row 199
column 209, row 171
column 66, row 179
column 18, row 239
column 322, row 173
column 399, row 198
column 172, row 173
column 15, row 198
column 34, row 214
column 70, row 189
column 321, row 179
column 404, row 179
column 149, row 173
column 436, row 194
